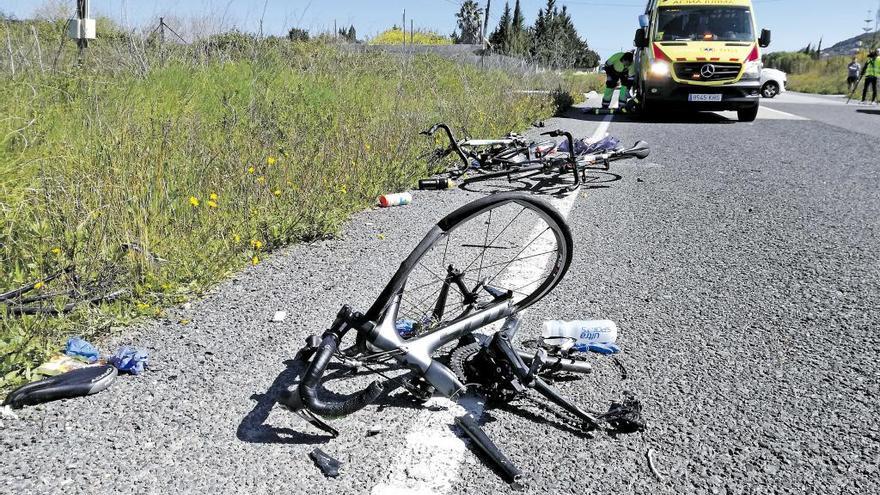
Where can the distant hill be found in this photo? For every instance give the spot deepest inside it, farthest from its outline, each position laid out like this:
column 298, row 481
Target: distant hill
column 848, row 47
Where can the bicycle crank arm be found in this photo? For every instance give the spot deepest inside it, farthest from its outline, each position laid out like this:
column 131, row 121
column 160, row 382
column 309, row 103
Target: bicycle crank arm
column 467, row 423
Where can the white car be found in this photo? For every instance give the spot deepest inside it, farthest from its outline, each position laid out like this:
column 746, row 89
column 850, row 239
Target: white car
column 772, row 82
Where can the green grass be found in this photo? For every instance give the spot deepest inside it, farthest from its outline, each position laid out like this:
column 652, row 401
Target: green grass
column 209, row 157
column 809, row 75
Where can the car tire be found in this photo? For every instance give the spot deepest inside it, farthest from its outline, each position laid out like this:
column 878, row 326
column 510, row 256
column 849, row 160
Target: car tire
column 748, row 114
column 770, row 89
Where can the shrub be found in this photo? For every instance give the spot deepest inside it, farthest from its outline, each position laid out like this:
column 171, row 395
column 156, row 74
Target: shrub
column 395, row 36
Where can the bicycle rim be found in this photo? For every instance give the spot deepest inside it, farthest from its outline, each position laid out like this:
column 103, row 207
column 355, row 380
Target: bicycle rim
column 506, row 246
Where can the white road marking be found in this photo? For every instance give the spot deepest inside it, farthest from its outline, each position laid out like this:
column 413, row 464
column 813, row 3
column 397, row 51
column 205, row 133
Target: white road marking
column 777, row 114
column 430, row 462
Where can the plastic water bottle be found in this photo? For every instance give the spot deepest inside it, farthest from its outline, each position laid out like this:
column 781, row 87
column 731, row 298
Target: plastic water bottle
column 399, row 199
column 586, row 332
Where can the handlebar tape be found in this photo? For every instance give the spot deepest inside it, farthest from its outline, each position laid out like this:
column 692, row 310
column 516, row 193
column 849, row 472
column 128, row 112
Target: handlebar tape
column 311, row 382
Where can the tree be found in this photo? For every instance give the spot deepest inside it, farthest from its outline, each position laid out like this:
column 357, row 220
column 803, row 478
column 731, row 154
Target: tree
column 500, row 38
column 469, row 23
column 519, row 35
column 349, row 35
column 555, row 42
column 297, row 34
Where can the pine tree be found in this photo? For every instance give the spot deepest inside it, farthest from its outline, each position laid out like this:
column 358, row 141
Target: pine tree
column 518, row 34
column 555, row 41
column 500, row 38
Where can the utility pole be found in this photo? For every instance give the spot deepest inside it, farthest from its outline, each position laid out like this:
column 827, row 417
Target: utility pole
column 411, row 33
column 335, row 30
column 403, row 27
column 485, row 23
column 161, row 31
column 81, row 28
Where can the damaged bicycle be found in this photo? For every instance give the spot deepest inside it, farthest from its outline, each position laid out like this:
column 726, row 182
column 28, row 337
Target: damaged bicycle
column 476, row 270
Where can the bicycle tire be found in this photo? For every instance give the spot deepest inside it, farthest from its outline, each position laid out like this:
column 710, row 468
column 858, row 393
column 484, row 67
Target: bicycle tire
column 470, row 218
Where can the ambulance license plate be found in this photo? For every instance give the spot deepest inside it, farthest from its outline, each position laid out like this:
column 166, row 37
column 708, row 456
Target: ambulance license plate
column 704, row 97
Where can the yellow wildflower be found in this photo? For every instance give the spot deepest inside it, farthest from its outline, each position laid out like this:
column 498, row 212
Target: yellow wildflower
column 367, row 146
column 251, row 170
column 56, row 251
column 212, row 204
column 255, row 260
column 194, row 201
column 277, row 192
column 236, row 238
column 256, row 244
column 270, row 161
column 213, row 196
column 261, row 179
column 39, row 285
column 342, row 189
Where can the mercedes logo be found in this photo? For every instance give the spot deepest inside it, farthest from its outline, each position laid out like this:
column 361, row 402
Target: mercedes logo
column 707, row 71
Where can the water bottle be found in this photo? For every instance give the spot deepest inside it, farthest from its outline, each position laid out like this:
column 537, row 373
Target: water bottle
column 399, row 199
column 585, row 332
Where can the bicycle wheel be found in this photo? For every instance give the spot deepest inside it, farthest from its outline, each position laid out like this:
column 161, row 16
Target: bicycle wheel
column 508, row 245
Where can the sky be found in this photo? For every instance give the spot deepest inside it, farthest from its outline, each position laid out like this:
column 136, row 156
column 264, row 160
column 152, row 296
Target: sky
column 607, row 25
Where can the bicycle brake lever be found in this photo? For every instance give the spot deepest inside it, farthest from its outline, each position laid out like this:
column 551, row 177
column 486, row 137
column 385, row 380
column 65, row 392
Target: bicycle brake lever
column 293, row 402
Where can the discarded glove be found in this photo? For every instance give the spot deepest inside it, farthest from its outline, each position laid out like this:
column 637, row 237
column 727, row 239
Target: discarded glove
column 79, row 348
column 129, row 360
column 328, row 465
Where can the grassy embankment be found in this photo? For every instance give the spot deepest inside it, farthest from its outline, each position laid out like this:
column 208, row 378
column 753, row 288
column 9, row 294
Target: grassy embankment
column 204, row 158
column 809, row 75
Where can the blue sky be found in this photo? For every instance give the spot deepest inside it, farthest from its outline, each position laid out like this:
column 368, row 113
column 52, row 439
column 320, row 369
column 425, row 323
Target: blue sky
column 608, row 25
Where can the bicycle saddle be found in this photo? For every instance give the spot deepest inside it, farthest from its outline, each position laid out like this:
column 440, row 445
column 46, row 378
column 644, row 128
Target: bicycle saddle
column 74, row 383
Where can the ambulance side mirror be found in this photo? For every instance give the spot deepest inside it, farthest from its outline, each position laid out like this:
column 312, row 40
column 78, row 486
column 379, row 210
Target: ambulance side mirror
column 644, row 21
column 641, row 39
column 764, row 40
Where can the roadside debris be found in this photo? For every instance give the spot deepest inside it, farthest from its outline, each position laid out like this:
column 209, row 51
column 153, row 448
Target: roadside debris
column 328, row 465
column 59, row 364
column 626, row 416
column 129, row 360
column 79, row 348
column 279, row 316
column 399, row 199
column 79, row 371
column 435, row 184
column 374, row 430
column 6, row 412
column 651, row 466
column 76, row 383
column 597, row 336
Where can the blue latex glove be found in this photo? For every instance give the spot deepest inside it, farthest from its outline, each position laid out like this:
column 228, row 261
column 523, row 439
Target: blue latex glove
column 80, row 349
column 605, row 349
column 130, row 360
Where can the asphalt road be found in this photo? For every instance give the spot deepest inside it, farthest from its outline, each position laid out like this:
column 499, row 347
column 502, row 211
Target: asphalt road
column 740, row 262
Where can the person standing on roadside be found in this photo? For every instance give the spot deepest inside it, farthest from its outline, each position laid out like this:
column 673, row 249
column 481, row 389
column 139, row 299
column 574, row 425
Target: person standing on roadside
column 854, row 70
column 871, row 71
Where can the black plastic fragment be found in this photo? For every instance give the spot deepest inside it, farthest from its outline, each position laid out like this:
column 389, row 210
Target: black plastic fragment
column 328, row 465
column 626, row 416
